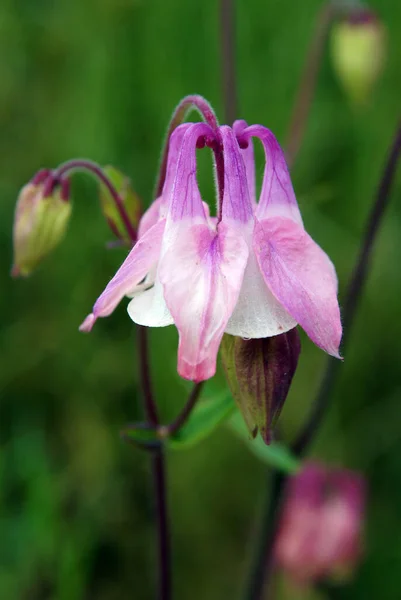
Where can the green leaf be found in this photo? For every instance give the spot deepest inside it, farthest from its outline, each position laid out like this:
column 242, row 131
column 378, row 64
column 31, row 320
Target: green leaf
column 276, row 455
column 141, row 435
column 206, row 416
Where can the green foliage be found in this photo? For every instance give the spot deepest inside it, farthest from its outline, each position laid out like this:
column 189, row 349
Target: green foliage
column 276, row 455
column 130, row 200
column 204, row 418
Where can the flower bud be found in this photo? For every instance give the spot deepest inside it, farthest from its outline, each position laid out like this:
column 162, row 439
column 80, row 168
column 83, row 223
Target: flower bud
column 130, row 200
column 259, row 373
column 41, row 217
column 320, row 531
column 358, row 46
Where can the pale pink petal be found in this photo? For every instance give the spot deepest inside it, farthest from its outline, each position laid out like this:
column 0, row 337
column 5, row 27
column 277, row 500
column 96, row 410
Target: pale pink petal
column 301, row 277
column 237, row 206
column 248, row 158
column 277, row 197
column 150, row 217
column 174, row 152
column 135, row 267
column 202, row 274
column 157, row 210
column 181, row 191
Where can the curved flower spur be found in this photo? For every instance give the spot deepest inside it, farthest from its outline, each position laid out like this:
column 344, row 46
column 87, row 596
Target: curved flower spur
column 251, row 272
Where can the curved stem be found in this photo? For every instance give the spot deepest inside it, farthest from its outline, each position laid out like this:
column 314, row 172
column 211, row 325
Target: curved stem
column 159, row 473
column 308, row 82
column 354, row 291
column 261, row 566
column 172, row 428
column 97, row 171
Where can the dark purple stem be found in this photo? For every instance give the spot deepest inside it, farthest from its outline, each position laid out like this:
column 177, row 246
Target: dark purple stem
column 159, row 473
column 227, row 28
column 95, row 169
column 354, row 292
column 308, row 82
column 172, row 428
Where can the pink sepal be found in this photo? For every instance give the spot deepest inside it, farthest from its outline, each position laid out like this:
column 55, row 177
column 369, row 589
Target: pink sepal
column 133, row 270
column 302, row 278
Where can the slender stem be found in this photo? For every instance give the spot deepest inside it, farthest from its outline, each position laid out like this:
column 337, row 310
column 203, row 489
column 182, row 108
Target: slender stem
column 227, row 28
column 163, row 526
column 95, row 169
column 261, row 565
column 159, row 473
column 180, row 420
column 308, row 82
column 353, row 295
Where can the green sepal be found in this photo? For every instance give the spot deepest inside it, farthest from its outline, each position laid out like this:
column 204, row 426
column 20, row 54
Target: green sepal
column 130, row 199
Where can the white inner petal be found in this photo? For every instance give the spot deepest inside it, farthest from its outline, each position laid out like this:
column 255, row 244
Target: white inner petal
column 149, row 307
column 257, row 313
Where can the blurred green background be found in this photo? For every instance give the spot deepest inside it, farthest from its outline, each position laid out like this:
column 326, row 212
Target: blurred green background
column 99, row 79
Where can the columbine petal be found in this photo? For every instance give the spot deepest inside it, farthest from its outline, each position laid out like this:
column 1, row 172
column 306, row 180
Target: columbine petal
column 149, row 307
column 201, row 269
column 151, row 216
column 237, row 207
column 158, row 209
column 277, row 197
column 135, row 267
column 248, row 158
column 257, row 313
column 202, row 274
column 301, row 277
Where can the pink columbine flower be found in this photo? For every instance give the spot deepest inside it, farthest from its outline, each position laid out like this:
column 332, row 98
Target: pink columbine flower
column 320, row 532
column 252, row 272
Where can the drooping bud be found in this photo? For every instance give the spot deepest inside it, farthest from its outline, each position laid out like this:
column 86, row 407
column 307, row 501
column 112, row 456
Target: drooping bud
column 358, row 45
column 41, row 217
column 130, row 199
column 259, row 373
column 320, row 531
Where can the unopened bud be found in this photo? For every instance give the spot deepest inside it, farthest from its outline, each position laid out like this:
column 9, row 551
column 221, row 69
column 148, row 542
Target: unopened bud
column 358, row 45
column 320, row 531
column 259, row 373
column 129, row 198
column 41, row 217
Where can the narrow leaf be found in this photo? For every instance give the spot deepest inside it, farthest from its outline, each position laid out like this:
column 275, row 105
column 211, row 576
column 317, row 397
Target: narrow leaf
column 276, row 455
column 206, row 416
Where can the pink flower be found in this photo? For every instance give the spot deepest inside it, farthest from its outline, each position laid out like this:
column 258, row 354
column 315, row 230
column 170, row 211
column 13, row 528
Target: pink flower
column 320, row 533
column 252, row 272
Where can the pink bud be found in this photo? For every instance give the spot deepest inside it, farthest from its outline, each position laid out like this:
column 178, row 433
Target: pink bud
column 320, row 533
column 41, row 218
